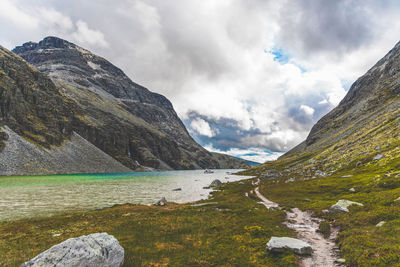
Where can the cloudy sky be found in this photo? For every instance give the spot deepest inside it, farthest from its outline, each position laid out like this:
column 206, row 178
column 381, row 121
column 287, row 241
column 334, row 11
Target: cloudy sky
column 248, row 78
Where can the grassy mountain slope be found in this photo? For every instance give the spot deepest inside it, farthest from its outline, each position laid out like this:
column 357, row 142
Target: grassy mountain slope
column 351, row 153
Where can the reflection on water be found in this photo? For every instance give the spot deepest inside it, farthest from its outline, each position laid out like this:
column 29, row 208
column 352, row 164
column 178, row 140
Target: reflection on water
column 36, row 196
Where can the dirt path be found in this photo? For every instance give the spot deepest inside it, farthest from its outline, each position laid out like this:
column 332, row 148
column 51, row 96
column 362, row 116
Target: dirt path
column 266, row 202
column 325, row 251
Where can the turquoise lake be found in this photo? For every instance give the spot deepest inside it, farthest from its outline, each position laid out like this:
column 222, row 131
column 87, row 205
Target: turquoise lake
column 38, row 196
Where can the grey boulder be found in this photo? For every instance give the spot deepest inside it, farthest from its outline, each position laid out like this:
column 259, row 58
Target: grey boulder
column 161, row 202
column 215, row 183
column 343, row 206
column 280, row 244
column 95, row 250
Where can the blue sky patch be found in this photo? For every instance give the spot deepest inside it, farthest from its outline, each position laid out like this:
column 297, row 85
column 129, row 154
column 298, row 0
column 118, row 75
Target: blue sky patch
column 279, row 55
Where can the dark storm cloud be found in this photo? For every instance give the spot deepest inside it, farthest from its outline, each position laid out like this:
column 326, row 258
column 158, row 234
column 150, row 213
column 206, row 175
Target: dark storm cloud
column 230, row 135
column 314, row 26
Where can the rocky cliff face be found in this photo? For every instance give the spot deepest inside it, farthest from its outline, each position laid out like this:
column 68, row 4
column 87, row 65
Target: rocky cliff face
column 36, row 126
column 118, row 116
column 362, row 130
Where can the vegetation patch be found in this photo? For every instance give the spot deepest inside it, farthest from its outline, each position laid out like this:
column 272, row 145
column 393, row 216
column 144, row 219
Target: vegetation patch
column 232, row 232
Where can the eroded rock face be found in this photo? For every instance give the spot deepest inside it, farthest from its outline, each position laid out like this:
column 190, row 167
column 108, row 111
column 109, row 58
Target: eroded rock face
column 280, row 244
column 95, row 250
column 121, row 117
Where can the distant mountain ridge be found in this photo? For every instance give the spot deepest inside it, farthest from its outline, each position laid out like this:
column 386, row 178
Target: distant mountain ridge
column 89, row 98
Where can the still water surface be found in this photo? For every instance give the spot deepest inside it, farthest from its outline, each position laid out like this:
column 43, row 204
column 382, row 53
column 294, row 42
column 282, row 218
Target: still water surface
column 37, row 196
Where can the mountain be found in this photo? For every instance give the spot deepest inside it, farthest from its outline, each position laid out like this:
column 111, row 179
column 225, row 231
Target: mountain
column 351, row 154
column 37, row 126
column 88, row 110
column 363, row 126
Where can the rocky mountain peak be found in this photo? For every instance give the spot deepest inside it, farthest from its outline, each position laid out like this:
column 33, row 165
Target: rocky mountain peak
column 120, row 117
column 47, row 43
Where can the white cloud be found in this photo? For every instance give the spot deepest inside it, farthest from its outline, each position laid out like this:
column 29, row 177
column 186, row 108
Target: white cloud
column 252, row 154
column 14, row 13
column 53, row 18
column 202, row 127
column 323, row 102
column 85, row 35
column 309, row 111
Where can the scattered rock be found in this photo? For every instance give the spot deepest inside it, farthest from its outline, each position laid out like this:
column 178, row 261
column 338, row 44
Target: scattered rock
column 95, row 250
column 280, row 244
column 204, row 204
column 341, row 261
column 161, row 202
column 346, row 176
column 343, row 205
column 271, row 174
column 352, row 189
column 378, row 157
column 215, row 183
column 320, row 173
column 290, row 180
column 359, row 164
column 177, row 189
column 380, row 224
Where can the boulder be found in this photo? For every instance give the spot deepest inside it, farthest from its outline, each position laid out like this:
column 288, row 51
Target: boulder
column 215, row 183
column 378, row 157
column 343, row 205
column 95, row 250
column 177, row 189
column 352, row 190
column 161, row 202
column 380, row 224
column 280, row 244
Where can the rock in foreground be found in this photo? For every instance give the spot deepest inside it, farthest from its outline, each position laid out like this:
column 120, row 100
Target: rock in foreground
column 95, row 250
column 280, row 244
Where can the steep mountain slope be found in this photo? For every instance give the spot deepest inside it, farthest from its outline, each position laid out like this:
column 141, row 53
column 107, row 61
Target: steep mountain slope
column 37, row 126
column 120, row 117
column 365, row 124
column 352, row 153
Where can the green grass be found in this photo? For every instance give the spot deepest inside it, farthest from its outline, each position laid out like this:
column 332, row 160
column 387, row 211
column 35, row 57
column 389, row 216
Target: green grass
column 377, row 186
column 233, row 232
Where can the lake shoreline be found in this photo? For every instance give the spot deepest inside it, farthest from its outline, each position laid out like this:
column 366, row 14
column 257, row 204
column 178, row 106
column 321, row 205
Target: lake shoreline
column 50, row 195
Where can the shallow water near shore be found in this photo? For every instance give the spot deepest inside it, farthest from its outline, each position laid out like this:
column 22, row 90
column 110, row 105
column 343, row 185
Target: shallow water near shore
column 38, row 196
